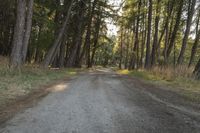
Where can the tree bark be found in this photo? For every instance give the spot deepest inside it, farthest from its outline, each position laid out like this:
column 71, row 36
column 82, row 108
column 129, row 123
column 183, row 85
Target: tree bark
column 121, row 49
column 197, row 70
column 86, row 47
column 176, row 27
column 191, row 9
column 136, row 44
column 16, row 54
column 127, row 49
column 27, row 29
column 72, row 58
column 62, row 54
column 148, row 45
column 196, row 42
column 155, row 41
column 49, row 56
column 96, row 38
column 143, row 40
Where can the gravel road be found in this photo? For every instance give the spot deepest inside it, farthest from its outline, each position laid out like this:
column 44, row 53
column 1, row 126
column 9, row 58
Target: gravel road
column 100, row 102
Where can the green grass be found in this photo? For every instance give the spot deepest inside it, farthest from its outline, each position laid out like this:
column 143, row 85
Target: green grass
column 14, row 84
column 184, row 85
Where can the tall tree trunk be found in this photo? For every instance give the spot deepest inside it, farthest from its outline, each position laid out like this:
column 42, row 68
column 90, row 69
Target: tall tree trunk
column 88, row 37
column 16, row 54
column 62, row 54
column 96, row 38
column 143, row 40
column 191, row 9
column 27, row 29
column 49, row 56
column 165, row 31
column 133, row 56
column 86, row 47
column 196, row 42
column 197, row 70
column 148, row 45
column 121, row 49
column 72, row 57
column 77, row 62
column 155, row 41
column 127, row 49
column 136, row 44
column 176, row 27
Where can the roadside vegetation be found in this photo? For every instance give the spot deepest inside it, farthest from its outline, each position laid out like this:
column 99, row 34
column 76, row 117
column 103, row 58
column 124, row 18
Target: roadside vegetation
column 180, row 80
column 15, row 84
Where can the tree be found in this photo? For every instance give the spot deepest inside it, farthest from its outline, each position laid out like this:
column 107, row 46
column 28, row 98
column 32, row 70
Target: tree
column 191, row 8
column 96, row 34
column 57, row 42
column 196, row 42
column 176, row 28
column 7, row 22
column 28, row 27
column 136, row 44
column 80, row 16
column 197, row 70
column 148, row 46
column 16, row 55
column 155, row 41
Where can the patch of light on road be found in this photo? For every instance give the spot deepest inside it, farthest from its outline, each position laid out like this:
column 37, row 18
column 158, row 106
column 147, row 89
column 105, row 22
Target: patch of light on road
column 59, row 87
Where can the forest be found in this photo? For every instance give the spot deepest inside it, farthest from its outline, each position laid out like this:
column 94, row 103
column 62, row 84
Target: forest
column 99, row 66
column 75, row 33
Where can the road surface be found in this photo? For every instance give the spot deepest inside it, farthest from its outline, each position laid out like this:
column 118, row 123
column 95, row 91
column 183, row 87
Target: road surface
column 100, row 102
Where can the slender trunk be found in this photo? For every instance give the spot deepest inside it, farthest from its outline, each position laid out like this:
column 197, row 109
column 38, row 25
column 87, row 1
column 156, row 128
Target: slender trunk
column 86, row 47
column 143, row 40
column 49, row 56
column 155, row 41
column 96, row 38
column 136, row 44
column 195, row 45
column 72, row 58
column 133, row 47
column 77, row 62
column 127, row 50
column 197, row 70
column 62, row 54
column 121, row 50
column 169, row 9
column 191, row 10
column 27, row 29
column 148, row 45
column 176, row 27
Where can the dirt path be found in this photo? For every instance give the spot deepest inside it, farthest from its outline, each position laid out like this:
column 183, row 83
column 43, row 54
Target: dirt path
column 100, row 102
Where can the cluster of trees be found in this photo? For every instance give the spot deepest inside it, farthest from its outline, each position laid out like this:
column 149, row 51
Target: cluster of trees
column 58, row 33
column 160, row 32
column 69, row 33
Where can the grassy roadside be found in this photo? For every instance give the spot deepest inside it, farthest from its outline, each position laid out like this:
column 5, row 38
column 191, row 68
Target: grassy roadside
column 14, row 84
column 183, row 84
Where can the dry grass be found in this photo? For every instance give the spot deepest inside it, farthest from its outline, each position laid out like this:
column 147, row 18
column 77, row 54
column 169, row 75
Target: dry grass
column 179, row 80
column 14, row 84
column 170, row 73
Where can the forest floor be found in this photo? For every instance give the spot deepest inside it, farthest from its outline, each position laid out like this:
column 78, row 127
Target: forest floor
column 103, row 101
